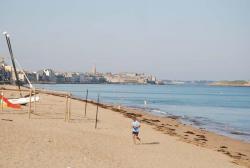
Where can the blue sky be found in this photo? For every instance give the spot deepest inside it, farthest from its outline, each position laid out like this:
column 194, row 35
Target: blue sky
column 187, row 40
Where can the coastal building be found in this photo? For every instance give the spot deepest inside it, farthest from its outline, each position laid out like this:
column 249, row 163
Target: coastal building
column 4, row 75
column 72, row 77
column 46, row 75
column 60, row 78
column 21, row 77
column 125, row 77
column 83, row 78
column 31, row 76
column 92, row 78
column 10, row 70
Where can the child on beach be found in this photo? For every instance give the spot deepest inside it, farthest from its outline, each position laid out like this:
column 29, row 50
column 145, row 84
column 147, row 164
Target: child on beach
column 135, row 130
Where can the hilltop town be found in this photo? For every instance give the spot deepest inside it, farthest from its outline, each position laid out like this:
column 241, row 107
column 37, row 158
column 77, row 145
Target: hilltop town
column 50, row 76
column 93, row 77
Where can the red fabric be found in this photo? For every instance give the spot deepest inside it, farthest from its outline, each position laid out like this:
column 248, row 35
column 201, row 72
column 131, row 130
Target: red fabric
column 9, row 104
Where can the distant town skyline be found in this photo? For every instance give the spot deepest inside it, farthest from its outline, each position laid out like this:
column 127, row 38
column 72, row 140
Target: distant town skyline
column 177, row 40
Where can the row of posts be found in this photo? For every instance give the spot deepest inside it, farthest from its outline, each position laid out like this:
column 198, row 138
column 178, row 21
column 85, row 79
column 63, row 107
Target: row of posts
column 68, row 108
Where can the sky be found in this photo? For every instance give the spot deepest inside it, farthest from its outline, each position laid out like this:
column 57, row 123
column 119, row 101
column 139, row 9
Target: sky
column 178, row 40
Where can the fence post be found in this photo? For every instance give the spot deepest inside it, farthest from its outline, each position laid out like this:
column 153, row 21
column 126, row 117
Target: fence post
column 96, row 115
column 86, row 103
column 2, row 101
column 34, row 100
column 66, row 110
column 69, row 107
column 30, row 103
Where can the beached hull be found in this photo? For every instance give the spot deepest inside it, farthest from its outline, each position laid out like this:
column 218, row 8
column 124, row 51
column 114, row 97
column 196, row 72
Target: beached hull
column 24, row 100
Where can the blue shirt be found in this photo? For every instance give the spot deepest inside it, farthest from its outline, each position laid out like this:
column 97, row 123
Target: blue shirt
column 135, row 126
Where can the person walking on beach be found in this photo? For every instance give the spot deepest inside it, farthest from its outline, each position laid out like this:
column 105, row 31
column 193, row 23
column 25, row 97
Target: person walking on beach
column 135, row 129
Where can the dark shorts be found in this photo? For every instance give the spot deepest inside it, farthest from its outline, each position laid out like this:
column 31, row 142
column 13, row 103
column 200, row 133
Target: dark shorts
column 135, row 133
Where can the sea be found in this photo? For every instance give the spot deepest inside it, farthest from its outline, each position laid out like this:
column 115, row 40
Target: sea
column 220, row 109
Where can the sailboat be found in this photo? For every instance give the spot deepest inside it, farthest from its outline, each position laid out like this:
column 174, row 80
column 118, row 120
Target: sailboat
column 23, row 100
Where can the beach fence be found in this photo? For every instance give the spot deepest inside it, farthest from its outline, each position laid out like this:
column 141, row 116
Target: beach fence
column 73, row 109
column 50, row 105
column 63, row 105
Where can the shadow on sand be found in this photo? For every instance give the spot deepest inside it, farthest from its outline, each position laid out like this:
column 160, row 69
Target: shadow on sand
column 150, row 143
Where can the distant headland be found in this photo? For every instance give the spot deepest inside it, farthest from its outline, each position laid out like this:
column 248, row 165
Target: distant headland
column 242, row 83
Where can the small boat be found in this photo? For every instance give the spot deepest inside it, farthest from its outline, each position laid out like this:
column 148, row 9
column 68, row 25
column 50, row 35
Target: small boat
column 24, row 100
column 6, row 103
column 16, row 103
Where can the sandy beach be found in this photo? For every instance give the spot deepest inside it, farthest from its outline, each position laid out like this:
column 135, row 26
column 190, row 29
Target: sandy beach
column 46, row 140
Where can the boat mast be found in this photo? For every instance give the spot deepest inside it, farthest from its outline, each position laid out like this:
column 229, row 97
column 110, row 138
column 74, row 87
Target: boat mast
column 7, row 36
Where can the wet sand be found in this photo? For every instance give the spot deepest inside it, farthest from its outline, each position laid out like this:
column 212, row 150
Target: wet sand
column 46, row 140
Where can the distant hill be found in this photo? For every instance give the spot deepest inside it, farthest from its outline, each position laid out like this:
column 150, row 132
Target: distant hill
column 231, row 83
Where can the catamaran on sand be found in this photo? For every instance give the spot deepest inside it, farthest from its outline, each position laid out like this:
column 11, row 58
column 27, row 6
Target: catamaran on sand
column 22, row 100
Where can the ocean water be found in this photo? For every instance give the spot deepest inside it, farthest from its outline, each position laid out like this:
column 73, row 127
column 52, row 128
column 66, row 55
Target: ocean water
column 224, row 110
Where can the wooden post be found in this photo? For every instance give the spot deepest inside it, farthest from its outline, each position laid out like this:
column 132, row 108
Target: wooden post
column 2, row 101
column 66, row 110
column 86, row 103
column 96, row 115
column 30, row 103
column 69, row 107
column 35, row 100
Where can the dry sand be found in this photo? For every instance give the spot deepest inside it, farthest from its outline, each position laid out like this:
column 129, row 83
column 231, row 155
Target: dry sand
column 46, row 140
